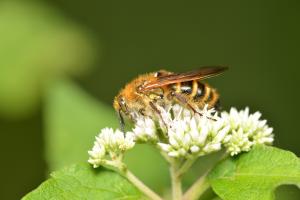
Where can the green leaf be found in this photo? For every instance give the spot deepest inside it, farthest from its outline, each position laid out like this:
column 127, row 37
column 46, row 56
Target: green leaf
column 255, row 175
column 79, row 182
column 72, row 120
column 37, row 44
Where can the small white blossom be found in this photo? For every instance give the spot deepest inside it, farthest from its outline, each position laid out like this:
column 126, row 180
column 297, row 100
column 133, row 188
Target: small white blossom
column 112, row 143
column 246, row 130
column 97, row 155
column 115, row 141
column 264, row 136
column 237, row 141
column 145, row 129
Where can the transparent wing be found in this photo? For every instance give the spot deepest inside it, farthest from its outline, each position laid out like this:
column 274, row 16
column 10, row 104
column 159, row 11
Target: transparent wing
column 199, row 74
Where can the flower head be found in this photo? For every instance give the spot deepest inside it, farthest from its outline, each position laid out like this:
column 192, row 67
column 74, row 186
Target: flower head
column 145, row 129
column 115, row 141
column 97, row 155
column 112, row 143
column 191, row 134
column 246, row 130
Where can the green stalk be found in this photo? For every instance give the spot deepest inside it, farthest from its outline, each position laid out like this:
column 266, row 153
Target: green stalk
column 118, row 166
column 197, row 189
column 141, row 186
column 185, row 167
column 176, row 181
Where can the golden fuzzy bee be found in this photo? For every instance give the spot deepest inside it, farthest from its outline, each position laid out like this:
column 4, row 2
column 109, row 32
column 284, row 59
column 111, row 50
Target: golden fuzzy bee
column 144, row 93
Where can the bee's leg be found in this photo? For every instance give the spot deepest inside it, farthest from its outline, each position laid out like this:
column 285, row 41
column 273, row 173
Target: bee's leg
column 218, row 106
column 153, row 106
column 184, row 101
column 142, row 111
column 121, row 121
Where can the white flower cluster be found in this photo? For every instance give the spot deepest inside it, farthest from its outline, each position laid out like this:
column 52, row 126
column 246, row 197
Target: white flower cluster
column 191, row 134
column 188, row 134
column 181, row 133
column 112, row 143
column 246, row 130
column 144, row 130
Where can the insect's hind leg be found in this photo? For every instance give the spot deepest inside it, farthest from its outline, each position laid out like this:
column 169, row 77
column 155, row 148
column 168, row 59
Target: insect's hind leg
column 185, row 102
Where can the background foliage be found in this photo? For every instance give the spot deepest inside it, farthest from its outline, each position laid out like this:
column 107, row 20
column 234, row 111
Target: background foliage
column 44, row 41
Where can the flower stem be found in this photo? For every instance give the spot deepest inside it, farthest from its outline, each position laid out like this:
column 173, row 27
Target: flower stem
column 185, row 167
column 201, row 184
column 118, row 166
column 141, row 186
column 197, row 189
column 176, row 182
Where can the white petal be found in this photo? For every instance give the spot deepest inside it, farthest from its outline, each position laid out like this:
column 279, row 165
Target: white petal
column 221, row 134
column 194, row 149
column 165, row 147
column 173, row 154
column 203, row 135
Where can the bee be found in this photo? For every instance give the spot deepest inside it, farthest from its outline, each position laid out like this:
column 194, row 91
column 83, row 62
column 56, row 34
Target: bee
column 144, row 93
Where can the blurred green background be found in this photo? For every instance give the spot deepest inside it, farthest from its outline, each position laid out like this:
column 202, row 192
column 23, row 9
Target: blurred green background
column 62, row 62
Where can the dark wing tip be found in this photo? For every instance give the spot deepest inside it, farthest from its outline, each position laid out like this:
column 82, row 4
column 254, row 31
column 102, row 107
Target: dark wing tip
column 218, row 69
column 210, row 71
column 224, row 67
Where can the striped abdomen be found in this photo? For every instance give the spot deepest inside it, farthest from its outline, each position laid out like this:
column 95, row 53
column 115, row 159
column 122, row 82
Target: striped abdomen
column 197, row 92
